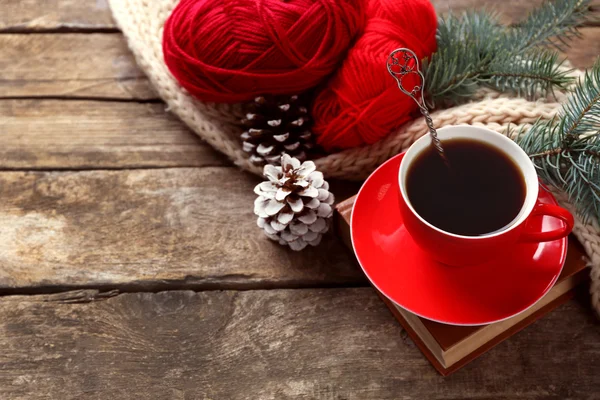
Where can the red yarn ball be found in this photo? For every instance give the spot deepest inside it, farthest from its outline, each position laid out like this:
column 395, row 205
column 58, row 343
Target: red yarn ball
column 234, row 50
column 362, row 103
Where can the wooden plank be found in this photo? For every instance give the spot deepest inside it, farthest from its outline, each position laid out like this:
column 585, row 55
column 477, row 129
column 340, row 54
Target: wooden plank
column 50, row 134
column 150, row 229
column 511, row 11
column 584, row 52
column 70, row 65
column 278, row 344
column 40, row 15
column 101, row 65
column 53, row 15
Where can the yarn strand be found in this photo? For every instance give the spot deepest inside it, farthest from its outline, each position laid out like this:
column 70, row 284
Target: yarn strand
column 233, row 50
column 360, row 104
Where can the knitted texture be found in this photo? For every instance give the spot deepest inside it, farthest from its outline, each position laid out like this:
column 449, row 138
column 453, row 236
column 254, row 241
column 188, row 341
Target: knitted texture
column 142, row 24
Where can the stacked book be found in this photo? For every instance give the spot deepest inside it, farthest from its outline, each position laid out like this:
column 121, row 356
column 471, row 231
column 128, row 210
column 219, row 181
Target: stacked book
column 449, row 347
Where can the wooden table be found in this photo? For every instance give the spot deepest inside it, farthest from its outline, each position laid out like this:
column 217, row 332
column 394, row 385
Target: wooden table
column 131, row 266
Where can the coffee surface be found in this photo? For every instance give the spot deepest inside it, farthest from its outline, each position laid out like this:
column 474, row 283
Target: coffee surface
column 482, row 191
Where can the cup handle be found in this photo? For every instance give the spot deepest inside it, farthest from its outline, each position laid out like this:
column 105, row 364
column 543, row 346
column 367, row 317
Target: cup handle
column 552, row 211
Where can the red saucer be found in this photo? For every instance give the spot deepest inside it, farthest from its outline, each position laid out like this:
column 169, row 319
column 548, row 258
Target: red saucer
column 470, row 295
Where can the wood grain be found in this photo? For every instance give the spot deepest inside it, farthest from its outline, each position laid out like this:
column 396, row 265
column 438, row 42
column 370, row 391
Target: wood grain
column 70, row 65
column 511, row 11
column 149, row 229
column 101, row 66
column 277, row 344
column 53, row 15
column 585, row 51
column 90, row 15
column 52, row 134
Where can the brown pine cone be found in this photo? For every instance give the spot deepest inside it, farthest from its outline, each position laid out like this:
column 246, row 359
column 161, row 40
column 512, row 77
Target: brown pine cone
column 276, row 125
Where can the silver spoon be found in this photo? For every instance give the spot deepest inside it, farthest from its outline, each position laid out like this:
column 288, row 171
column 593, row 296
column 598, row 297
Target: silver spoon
column 403, row 62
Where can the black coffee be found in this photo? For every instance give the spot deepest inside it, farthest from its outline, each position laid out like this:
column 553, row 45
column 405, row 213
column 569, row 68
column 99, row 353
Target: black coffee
column 481, row 192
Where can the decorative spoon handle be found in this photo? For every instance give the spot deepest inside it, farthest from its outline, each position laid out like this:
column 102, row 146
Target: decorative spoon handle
column 404, row 62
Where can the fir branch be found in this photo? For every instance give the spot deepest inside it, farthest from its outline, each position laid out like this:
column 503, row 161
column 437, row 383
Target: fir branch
column 474, row 27
column 453, row 73
column 546, row 153
column 554, row 23
column 566, row 149
column 474, row 49
column 535, row 72
column 581, row 113
column 465, row 44
column 594, row 153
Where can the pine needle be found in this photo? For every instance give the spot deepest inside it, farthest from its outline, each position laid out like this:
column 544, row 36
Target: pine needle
column 475, row 50
column 566, row 150
column 554, row 23
column 534, row 73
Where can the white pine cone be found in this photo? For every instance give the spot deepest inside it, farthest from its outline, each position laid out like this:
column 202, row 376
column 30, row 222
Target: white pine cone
column 294, row 206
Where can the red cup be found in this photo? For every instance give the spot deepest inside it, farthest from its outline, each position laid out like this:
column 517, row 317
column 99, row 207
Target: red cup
column 453, row 249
